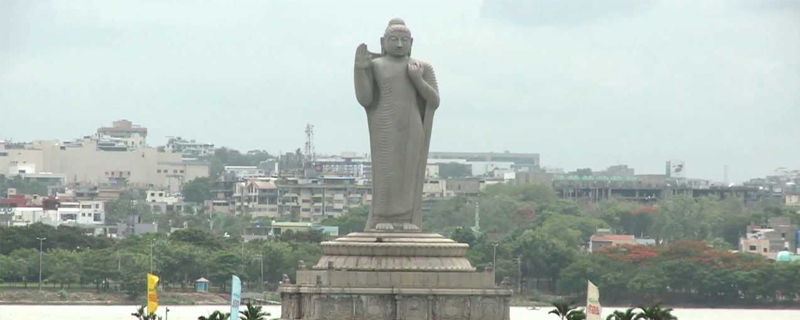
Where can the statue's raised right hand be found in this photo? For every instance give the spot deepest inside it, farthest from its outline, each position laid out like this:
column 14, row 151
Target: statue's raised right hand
column 362, row 57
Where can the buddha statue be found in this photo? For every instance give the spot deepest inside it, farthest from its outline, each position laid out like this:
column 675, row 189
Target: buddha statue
column 399, row 95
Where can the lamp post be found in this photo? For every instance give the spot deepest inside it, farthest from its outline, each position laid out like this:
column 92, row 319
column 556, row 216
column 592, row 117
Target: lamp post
column 519, row 271
column 41, row 243
column 494, row 262
column 261, row 258
column 242, row 255
column 152, row 244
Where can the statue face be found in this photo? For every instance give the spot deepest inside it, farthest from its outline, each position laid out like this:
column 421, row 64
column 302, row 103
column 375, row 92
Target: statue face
column 397, row 44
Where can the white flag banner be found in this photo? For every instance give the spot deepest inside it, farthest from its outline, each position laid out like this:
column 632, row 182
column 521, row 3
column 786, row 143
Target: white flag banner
column 593, row 308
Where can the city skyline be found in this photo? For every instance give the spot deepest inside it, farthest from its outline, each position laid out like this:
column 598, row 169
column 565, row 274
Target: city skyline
column 710, row 83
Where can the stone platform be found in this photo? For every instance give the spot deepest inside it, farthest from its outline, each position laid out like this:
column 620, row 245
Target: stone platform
column 394, row 276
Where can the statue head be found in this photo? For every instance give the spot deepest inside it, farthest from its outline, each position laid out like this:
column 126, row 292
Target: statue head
column 396, row 40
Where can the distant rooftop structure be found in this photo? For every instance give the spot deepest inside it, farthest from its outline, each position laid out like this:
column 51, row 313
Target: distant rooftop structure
column 122, row 135
column 189, row 149
column 506, row 156
column 122, row 128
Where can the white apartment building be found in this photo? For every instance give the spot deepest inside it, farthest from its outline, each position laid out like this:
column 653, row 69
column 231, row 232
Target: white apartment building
column 189, row 149
column 245, row 172
column 161, row 196
column 78, row 213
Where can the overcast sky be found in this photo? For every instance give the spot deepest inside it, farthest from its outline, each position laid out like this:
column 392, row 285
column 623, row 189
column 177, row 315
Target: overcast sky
column 583, row 83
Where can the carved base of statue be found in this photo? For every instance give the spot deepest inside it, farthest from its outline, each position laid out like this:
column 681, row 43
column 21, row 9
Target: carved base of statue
column 394, row 276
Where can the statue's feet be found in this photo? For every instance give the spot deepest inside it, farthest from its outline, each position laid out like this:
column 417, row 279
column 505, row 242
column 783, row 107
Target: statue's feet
column 410, row 226
column 384, row 226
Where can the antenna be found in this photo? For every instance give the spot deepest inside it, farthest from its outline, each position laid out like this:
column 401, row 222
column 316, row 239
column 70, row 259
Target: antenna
column 309, row 152
column 725, row 176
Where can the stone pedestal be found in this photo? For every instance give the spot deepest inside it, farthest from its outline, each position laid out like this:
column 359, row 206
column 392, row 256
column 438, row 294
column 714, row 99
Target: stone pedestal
column 394, row 276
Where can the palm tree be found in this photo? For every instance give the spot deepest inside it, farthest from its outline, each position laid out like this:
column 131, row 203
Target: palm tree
column 629, row 314
column 576, row 315
column 253, row 313
column 562, row 309
column 655, row 312
column 141, row 314
column 216, row 315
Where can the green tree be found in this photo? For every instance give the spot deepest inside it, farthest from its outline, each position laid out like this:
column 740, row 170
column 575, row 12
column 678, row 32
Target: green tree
column 629, row 314
column 222, row 266
column 197, row 238
column 180, row 262
column 655, row 312
column 198, row 190
column 216, row 315
column 648, row 282
column 464, row 235
column 141, row 314
column 454, row 170
column 26, row 264
column 543, row 257
column 99, row 267
column 63, row 266
column 576, row 315
column 353, row 221
column 253, row 313
column 23, row 186
column 562, row 309
column 572, row 230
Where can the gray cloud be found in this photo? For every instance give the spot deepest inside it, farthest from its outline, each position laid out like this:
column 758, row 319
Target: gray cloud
column 709, row 82
column 560, row 12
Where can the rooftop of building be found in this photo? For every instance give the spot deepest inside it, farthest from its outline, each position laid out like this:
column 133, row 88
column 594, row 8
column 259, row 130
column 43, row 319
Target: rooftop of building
column 291, row 224
column 612, row 237
column 122, row 125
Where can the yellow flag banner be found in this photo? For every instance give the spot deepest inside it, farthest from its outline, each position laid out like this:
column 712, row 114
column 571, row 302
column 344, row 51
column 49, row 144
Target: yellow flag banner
column 152, row 294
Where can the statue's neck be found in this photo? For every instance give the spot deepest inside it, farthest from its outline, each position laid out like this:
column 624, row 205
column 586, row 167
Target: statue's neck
column 397, row 59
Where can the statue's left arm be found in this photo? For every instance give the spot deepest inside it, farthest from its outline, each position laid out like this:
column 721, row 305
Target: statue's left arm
column 426, row 84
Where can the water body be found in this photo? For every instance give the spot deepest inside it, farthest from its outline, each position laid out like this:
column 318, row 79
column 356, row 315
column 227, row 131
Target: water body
column 17, row 312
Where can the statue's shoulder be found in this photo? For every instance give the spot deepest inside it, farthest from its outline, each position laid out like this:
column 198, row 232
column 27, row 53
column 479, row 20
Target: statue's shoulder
column 425, row 64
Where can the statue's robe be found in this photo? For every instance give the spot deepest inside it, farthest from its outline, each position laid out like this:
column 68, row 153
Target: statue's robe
column 400, row 122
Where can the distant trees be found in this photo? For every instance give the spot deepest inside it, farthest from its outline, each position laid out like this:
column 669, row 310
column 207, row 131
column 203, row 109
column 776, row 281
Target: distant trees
column 354, row 221
column 198, row 190
column 63, row 237
column 680, row 272
column 23, row 186
column 454, row 170
column 230, row 157
column 119, row 210
column 179, row 259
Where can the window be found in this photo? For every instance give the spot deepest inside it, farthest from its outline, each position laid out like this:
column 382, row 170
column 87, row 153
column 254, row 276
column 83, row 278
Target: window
column 174, row 171
column 153, row 194
column 97, row 206
column 765, row 249
column 783, row 236
column 86, row 206
column 98, row 217
column 752, row 248
column 160, row 194
column 3, row 154
column 158, row 171
column 181, row 171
